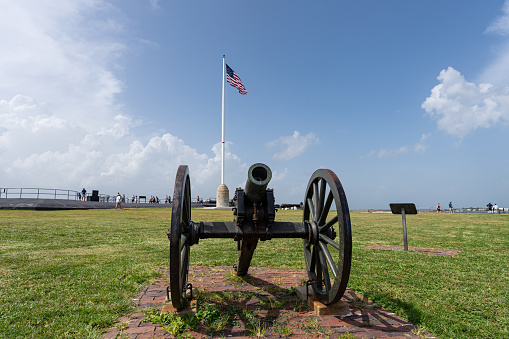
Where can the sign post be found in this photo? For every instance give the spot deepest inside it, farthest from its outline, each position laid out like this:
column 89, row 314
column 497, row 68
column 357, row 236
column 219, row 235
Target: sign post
column 403, row 209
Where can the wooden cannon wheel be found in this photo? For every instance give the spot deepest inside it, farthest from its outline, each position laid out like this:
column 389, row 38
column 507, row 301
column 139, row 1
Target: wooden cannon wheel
column 328, row 249
column 180, row 236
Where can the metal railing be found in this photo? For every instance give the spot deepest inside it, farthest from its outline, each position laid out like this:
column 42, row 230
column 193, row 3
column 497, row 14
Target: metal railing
column 501, row 210
column 52, row 193
column 38, row 193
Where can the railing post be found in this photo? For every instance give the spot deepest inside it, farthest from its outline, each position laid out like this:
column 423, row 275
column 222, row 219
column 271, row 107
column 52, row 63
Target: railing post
column 20, row 192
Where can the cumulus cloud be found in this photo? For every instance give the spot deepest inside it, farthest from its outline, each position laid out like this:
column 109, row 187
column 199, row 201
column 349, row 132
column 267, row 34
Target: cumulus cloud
column 461, row 107
column 292, row 146
column 61, row 125
column 59, row 154
column 54, row 52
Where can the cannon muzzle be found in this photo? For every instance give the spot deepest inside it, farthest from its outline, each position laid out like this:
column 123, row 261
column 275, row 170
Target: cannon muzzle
column 258, row 177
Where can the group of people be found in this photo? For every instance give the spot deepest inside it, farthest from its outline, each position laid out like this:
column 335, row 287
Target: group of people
column 135, row 199
column 493, row 208
column 82, row 196
column 451, row 208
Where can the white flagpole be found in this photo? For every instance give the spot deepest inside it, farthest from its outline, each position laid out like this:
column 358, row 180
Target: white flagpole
column 222, row 139
column 223, row 194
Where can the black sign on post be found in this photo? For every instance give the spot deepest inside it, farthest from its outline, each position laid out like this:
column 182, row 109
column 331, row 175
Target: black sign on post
column 403, row 209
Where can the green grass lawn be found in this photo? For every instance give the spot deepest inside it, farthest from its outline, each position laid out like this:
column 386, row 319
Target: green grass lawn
column 74, row 273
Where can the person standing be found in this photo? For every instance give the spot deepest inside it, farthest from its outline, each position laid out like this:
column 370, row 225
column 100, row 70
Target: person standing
column 438, row 208
column 84, row 194
column 118, row 201
column 451, row 209
column 490, row 206
column 495, row 208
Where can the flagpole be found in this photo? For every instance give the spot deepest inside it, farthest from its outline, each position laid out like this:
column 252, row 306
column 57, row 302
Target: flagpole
column 222, row 194
column 222, row 133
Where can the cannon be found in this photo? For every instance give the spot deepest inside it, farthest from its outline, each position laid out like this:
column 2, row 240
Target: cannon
column 325, row 230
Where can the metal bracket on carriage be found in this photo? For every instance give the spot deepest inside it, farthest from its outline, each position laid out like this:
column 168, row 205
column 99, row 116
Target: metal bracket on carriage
column 239, row 212
column 271, row 215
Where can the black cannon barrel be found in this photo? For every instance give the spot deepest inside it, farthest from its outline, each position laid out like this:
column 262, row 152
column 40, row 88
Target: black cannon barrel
column 258, row 177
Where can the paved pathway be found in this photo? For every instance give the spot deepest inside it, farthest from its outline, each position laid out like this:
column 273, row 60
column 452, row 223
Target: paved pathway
column 368, row 320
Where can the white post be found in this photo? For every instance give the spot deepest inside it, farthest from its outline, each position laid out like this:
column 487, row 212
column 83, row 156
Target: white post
column 222, row 139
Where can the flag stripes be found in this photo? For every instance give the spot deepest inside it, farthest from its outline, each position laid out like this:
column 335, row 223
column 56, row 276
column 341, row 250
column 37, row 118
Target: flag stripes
column 234, row 80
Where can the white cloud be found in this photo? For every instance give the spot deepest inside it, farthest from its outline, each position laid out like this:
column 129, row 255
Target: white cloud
column 421, row 146
column 501, row 24
column 154, row 4
column 60, row 123
column 41, row 150
column 496, row 71
column 461, row 107
column 60, row 53
column 418, row 147
column 292, row 146
column 383, row 153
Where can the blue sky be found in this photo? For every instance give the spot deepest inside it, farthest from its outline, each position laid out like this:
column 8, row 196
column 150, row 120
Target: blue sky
column 407, row 101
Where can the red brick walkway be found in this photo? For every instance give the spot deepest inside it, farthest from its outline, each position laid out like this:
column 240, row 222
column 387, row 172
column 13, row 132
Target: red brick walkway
column 367, row 320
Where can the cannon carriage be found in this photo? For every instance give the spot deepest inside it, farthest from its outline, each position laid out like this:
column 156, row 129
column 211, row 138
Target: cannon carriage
column 325, row 230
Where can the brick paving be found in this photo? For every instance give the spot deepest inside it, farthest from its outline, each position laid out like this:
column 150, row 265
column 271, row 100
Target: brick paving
column 368, row 320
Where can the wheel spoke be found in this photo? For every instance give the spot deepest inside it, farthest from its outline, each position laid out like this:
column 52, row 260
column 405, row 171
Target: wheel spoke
column 326, row 208
column 323, row 188
column 184, row 269
column 329, row 224
column 331, row 242
column 330, row 260
column 312, row 265
column 183, row 257
column 325, row 270
column 183, row 242
column 319, row 273
column 311, row 209
column 316, row 200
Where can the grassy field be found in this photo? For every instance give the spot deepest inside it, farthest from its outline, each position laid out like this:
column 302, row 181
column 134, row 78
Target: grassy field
column 73, row 273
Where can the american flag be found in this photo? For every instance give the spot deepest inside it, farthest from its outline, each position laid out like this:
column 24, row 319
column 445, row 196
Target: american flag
column 234, row 80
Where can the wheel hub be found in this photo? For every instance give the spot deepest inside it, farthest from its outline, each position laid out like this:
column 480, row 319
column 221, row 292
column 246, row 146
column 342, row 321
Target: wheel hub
column 312, row 233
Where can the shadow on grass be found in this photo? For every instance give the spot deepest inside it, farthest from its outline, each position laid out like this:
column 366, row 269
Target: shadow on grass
column 407, row 310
